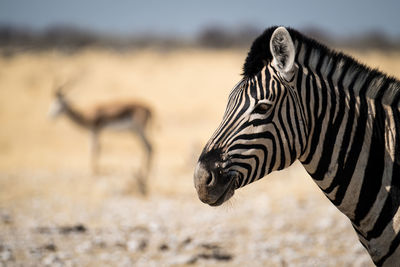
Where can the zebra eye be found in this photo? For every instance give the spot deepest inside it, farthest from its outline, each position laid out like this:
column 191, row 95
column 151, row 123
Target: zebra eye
column 261, row 108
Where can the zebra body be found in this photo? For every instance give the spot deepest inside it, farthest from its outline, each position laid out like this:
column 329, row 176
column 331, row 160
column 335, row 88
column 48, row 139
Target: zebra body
column 298, row 100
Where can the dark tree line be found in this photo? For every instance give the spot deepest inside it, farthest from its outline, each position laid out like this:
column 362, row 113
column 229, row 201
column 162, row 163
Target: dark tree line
column 71, row 39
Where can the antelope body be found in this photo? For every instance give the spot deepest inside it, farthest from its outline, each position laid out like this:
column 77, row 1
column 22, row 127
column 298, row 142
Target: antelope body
column 128, row 116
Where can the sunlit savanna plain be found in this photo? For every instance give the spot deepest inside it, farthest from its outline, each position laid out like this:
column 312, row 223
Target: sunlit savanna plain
column 54, row 212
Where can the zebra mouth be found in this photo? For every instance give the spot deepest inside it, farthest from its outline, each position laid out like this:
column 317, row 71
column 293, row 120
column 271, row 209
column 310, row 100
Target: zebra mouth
column 229, row 190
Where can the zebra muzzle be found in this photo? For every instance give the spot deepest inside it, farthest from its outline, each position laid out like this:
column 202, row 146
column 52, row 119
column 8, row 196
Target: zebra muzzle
column 214, row 187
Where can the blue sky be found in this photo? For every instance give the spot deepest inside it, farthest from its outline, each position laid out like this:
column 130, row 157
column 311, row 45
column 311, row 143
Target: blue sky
column 187, row 18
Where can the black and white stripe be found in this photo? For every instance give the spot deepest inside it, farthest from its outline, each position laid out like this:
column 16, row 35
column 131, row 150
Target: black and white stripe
column 340, row 118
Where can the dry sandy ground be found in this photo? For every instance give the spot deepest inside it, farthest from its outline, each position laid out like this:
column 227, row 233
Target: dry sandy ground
column 54, row 212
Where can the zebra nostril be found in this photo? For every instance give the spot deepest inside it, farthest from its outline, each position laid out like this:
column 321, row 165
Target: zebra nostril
column 202, row 177
column 209, row 179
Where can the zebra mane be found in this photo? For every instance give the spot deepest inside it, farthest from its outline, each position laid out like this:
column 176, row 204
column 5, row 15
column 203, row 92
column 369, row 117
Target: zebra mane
column 260, row 53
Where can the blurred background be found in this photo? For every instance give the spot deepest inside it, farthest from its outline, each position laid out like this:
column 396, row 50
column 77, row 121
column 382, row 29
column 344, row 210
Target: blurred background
column 179, row 59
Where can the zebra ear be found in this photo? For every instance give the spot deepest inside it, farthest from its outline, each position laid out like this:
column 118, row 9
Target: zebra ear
column 282, row 50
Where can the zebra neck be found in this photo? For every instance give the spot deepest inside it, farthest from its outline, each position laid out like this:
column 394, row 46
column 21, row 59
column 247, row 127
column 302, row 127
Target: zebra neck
column 349, row 108
column 329, row 89
column 353, row 146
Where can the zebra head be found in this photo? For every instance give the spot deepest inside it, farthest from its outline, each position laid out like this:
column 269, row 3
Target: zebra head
column 263, row 128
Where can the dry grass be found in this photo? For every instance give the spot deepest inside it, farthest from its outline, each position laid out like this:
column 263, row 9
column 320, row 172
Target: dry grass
column 44, row 170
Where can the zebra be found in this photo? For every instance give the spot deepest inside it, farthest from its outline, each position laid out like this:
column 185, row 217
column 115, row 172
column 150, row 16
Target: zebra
column 300, row 100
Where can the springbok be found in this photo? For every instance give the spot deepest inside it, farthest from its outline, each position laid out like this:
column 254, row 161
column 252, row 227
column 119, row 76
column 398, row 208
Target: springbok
column 117, row 115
